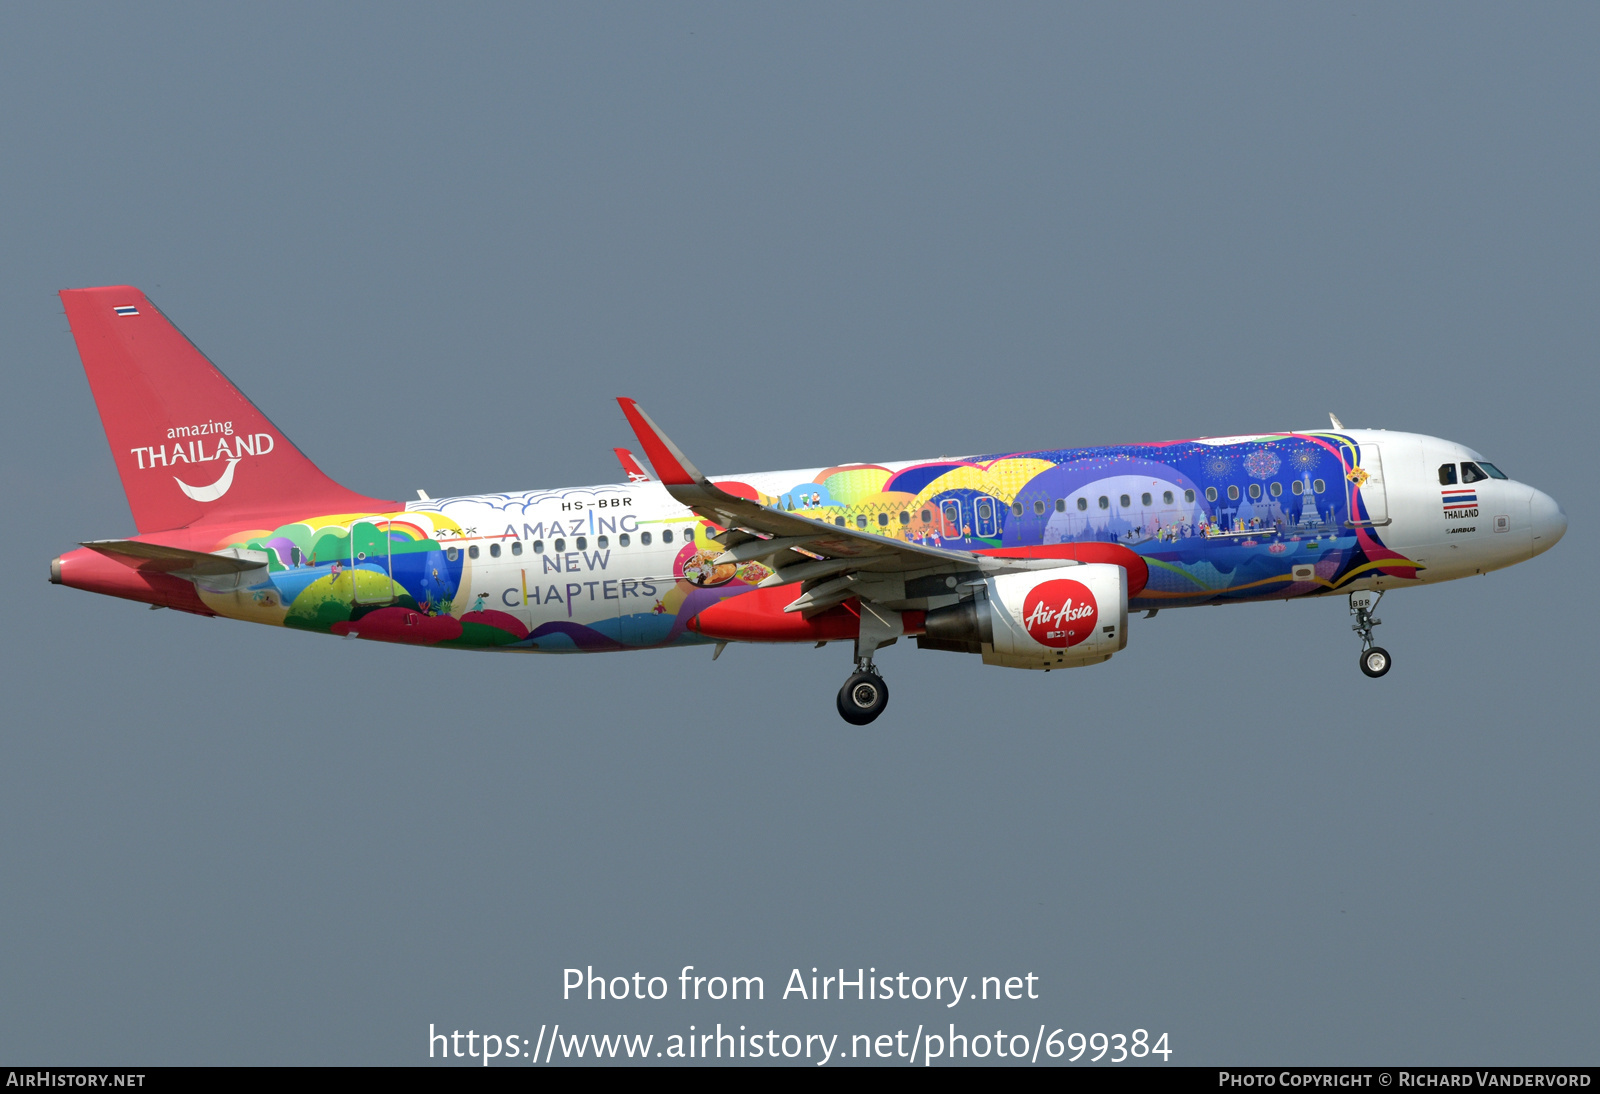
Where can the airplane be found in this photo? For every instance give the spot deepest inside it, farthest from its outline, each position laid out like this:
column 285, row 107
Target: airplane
column 1029, row 560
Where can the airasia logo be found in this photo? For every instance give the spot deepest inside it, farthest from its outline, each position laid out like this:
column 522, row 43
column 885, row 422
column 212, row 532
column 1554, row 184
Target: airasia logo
column 1060, row 613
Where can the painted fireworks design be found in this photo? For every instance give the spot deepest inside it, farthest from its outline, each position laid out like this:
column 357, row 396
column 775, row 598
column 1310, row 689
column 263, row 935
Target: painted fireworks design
column 1262, row 463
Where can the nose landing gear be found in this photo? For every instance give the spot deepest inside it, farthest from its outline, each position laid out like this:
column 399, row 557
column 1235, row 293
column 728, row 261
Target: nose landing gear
column 1375, row 660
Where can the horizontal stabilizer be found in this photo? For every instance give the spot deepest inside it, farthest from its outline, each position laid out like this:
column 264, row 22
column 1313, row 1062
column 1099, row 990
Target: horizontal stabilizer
column 154, row 557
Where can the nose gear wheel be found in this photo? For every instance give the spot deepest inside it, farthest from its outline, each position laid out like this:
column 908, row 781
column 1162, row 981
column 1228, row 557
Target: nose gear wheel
column 1375, row 661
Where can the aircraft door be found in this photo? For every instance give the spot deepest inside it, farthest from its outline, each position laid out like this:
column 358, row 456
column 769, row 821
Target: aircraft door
column 986, row 509
column 1365, row 484
column 370, row 551
column 950, row 518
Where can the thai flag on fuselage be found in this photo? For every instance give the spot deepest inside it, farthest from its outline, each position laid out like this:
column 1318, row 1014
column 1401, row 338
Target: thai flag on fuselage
column 1460, row 499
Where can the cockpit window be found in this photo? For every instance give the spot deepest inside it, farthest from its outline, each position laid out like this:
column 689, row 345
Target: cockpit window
column 1494, row 472
column 1470, row 472
column 1447, row 474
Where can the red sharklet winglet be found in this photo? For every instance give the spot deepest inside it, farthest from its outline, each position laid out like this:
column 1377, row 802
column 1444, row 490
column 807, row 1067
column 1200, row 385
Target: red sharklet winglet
column 630, row 466
column 672, row 466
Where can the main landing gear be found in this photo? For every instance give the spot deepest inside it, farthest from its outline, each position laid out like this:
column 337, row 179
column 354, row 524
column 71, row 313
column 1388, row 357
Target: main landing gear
column 864, row 695
column 1375, row 660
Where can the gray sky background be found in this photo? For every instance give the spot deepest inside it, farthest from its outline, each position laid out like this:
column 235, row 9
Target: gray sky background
column 433, row 244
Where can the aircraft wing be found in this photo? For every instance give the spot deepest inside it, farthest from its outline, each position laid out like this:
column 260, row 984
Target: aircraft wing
column 836, row 563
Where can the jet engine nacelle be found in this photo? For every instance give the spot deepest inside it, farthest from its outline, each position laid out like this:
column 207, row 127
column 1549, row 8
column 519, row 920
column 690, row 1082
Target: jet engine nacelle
column 1050, row 619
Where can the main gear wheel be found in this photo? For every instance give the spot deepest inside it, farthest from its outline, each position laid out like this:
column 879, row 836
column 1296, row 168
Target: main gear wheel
column 863, row 698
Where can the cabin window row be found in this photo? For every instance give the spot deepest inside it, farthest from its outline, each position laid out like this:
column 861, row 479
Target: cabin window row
column 577, row 543
column 883, row 520
column 1040, row 506
column 1104, row 502
column 1275, row 489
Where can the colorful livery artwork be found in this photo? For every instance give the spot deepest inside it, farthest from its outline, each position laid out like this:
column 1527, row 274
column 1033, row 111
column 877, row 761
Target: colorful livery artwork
column 1030, row 559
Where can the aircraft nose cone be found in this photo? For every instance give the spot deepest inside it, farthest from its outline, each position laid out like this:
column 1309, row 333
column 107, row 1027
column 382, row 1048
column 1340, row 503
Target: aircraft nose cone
column 1549, row 521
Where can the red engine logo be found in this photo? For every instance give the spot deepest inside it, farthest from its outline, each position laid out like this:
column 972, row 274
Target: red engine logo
column 1060, row 613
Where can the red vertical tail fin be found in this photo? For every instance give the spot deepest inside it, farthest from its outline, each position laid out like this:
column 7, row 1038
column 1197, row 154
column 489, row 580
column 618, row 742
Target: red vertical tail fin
column 188, row 445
